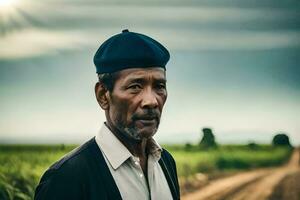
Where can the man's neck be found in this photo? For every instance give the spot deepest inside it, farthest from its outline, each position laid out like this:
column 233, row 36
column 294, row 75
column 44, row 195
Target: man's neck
column 136, row 147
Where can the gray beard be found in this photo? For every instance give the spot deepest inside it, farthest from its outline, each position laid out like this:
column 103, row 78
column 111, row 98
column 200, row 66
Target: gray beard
column 131, row 132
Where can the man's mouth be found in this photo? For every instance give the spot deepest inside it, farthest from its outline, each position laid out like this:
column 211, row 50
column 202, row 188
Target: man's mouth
column 147, row 121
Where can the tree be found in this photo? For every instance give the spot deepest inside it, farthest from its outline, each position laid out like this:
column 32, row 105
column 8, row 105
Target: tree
column 281, row 139
column 208, row 139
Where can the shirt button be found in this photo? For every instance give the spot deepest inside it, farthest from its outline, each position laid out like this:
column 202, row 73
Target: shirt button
column 141, row 175
column 136, row 162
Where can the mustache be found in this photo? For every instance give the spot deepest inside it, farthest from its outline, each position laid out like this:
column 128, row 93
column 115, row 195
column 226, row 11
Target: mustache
column 147, row 114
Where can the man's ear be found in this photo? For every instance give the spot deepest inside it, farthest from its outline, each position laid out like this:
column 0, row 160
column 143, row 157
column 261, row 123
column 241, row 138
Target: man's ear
column 101, row 96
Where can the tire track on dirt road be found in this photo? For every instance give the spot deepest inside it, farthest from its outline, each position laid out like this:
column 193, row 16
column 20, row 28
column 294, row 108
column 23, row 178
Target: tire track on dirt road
column 252, row 185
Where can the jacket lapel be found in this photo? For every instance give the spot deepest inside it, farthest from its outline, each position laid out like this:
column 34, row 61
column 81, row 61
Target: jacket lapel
column 108, row 180
column 168, row 176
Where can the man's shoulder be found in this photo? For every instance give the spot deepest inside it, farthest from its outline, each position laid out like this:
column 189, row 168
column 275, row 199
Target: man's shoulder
column 67, row 178
column 74, row 157
column 73, row 163
column 165, row 154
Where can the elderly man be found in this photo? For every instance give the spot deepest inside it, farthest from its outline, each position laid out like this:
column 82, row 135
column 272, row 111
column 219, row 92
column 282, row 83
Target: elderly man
column 123, row 161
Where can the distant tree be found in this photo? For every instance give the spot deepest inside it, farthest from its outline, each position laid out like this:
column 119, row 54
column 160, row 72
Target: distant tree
column 252, row 145
column 208, row 139
column 281, row 139
column 62, row 147
column 188, row 146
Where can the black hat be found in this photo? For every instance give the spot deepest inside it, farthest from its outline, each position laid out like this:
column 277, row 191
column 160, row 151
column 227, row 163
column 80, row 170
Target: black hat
column 130, row 50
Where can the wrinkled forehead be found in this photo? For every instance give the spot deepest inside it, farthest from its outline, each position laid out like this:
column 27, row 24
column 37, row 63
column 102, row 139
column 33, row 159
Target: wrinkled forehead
column 147, row 74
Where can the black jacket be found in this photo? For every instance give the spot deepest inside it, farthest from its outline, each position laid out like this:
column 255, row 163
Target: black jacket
column 83, row 175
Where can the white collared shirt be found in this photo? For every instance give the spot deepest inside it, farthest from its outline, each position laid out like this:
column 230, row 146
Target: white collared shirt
column 127, row 172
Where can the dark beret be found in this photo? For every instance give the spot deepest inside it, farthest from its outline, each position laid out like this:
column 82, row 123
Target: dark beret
column 130, row 50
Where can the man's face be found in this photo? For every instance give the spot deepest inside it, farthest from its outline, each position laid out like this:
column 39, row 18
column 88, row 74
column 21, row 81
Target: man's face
column 136, row 102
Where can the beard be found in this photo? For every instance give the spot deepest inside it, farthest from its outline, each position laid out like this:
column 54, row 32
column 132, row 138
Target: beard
column 132, row 131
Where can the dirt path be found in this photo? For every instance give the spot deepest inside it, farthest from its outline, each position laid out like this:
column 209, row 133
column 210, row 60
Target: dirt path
column 253, row 185
column 288, row 188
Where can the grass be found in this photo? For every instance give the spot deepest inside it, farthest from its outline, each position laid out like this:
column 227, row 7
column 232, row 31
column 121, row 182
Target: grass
column 21, row 168
column 22, row 165
column 193, row 160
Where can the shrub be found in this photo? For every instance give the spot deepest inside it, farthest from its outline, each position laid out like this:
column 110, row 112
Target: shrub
column 208, row 139
column 281, row 139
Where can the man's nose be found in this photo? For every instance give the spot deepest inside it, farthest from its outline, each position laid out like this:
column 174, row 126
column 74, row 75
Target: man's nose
column 149, row 99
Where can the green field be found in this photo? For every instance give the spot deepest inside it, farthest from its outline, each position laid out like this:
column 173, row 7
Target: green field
column 22, row 165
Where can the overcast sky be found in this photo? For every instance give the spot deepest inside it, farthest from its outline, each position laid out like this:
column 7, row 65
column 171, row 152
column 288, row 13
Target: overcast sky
column 234, row 67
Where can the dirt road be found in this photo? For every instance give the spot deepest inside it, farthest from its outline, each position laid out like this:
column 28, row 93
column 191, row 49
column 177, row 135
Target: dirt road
column 253, row 185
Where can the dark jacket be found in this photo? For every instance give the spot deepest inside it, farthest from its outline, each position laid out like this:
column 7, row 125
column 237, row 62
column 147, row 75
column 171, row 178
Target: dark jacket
column 83, row 175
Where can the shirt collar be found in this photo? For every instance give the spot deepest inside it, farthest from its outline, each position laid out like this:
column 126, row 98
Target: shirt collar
column 116, row 153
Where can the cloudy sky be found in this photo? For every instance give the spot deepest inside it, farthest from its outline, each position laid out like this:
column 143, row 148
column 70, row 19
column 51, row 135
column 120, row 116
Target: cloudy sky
column 234, row 67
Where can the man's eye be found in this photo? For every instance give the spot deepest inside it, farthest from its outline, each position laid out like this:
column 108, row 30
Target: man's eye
column 134, row 87
column 161, row 86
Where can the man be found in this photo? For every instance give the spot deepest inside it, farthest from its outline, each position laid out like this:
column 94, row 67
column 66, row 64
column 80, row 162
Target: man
column 123, row 161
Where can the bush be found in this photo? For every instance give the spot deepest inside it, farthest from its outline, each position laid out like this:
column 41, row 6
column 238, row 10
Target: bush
column 208, row 139
column 188, row 147
column 281, row 140
column 253, row 146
